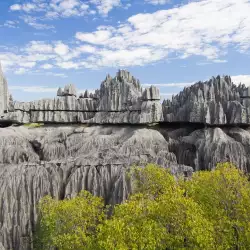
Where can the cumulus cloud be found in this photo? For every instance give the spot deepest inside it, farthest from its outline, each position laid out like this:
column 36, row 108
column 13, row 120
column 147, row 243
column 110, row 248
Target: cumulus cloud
column 68, row 65
column 21, row 71
column 105, row 6
column 27, row 7
column 200, row 28
column 33, row 22
column 244, row 79
column 97, row 37
column 203, row 28
column 34, row 89
column 10, row 24
column 54, row 9
column 47, row 66
column 156, row 2
column 39, row 47
column 61, row 49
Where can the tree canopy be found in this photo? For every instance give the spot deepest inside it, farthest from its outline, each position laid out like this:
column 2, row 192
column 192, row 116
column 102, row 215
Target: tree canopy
column 211, row 210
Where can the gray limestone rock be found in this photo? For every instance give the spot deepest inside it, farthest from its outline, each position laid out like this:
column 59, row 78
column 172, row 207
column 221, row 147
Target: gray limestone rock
column 122, row 100
column 119, row 100
column 204, row 148
column 151, row 93
column 60, row 92
column 4, row 95
column 215, row 102
column 86, row 94
column 119, row 93
column 69, row 90
column 63, row 160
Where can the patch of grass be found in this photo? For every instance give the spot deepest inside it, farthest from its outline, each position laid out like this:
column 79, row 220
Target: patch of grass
column 33, row 125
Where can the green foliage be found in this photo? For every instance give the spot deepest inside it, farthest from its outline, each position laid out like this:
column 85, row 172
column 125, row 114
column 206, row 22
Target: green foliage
column 33, row 125
column 208, row 211
column 69, row 224
column 224, row 196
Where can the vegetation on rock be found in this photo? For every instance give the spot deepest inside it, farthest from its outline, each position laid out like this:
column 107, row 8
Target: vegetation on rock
column 208, row 211
column 33, row 125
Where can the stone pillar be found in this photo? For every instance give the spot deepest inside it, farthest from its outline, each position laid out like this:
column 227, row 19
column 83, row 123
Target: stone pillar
column 4, row 96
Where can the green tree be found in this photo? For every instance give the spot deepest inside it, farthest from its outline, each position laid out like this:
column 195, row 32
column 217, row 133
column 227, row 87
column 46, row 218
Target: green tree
column 69, row 224
column 159, row 216
column 224, row 196
column 211, row 210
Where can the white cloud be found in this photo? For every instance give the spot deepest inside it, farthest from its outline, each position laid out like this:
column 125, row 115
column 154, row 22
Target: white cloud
column 97, row 37
column 68, row 65
column 39, row 47
column 32, row 21
column 202, row 28
column 86, row 49
column 53, row 8
column 27, row 7
column 28, row 64
column 34, row 89
column 244, row 79
column 105, row 6
column 21, row 71
column 219, row 61
column 61, row 49
column 156, row 2
column 178, row 84
column 16, row 7
column 10, row 24
column 62, row 75
column 41, row 89
column 46, row 66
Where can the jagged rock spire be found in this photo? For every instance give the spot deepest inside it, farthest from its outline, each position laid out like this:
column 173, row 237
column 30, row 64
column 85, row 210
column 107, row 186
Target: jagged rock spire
column 60, row 92
column 1, row 71
column 86, row 94
column 70, row 90
column 4, row 96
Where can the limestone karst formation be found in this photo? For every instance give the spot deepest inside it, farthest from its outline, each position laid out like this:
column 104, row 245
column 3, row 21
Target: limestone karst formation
column 122, row 100
column 90, row 141
column 3, row 92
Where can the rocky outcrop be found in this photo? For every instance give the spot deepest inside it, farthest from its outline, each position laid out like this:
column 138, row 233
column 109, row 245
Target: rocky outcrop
column 4, row 95
column 62, row 160
column 119, row 100
column 215, row 102
column 194, row 132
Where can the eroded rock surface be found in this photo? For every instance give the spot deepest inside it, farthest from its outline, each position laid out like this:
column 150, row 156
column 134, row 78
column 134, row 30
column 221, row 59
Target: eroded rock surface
column 214, row 102
column 122, row 100
column 119, row 100
column 63, row 160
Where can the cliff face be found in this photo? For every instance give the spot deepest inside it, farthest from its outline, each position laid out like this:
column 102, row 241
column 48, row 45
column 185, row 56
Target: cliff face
column 121, row 100
column 4, row 96
column 61, row 161
column 108, row 133
column 215, row 102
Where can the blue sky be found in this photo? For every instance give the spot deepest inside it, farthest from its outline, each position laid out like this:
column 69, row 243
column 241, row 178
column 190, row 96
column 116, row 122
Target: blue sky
column 45, row 44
